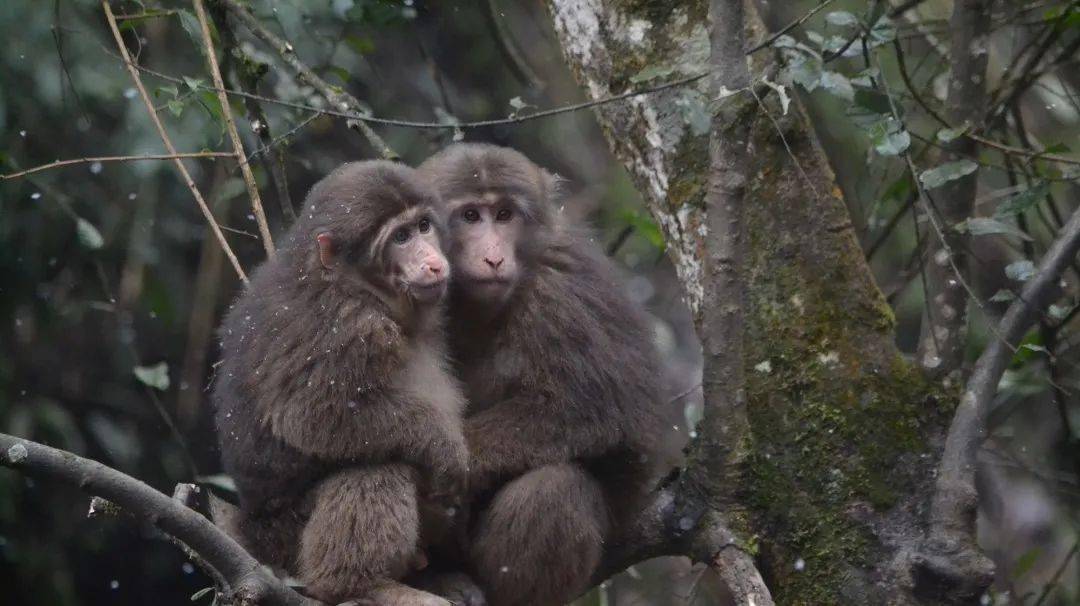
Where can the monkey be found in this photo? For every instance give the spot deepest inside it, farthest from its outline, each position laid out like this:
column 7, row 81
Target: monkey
column 334, row 405
column 561, row 373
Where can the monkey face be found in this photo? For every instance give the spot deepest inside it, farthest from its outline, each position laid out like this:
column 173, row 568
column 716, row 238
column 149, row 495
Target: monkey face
column 405, row 256
column 416, row 263
column 485, row 234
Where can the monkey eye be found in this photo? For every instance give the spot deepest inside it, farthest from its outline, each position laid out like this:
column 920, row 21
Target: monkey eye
column 401, row 236
column 471, row 215
column 504, row 214
column 424, row 225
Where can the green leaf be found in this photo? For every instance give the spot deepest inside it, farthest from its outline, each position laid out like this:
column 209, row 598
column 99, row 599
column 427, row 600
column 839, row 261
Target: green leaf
column 948, row 134
column 362, row 46
column 938, row 176
column 193, row 83
column 883, row 32
column 170, row 89
column 652, row 72
column 984, row 226
column 191, row 26
column 1020, row 271
column 838, row 84
column 785, row 41
column 646, row 227
column 1022, row 201
column 865, row 80
column 156, row 376
column 210, row 102
column 88, row 235
column 805, row 71
column 200, row 594
column 889, row 138
column 842, row 18
column 341, row 73
column 1003, row 296
column 1058, row 312
column 176, row 106
column 1026, row 561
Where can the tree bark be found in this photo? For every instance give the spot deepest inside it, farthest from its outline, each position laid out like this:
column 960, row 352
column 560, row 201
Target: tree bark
column 843, row 433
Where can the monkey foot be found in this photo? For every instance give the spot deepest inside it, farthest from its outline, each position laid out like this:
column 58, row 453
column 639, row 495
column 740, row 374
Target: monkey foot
column 454, row 586
column 396, row 594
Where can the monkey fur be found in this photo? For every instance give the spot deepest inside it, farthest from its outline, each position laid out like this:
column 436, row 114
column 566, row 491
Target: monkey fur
column 561, row 375
column 334, row 407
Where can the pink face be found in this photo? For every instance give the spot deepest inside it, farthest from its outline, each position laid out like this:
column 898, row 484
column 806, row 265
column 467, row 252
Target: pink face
column 417, row 263
column 485, row 234
column 414, row 260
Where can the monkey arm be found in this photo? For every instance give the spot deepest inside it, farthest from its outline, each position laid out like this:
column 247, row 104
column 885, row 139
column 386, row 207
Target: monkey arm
column 522, row 433
column 383, row 428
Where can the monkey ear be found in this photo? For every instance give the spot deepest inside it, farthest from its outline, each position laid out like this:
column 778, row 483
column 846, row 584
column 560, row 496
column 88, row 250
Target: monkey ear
column 327, row 255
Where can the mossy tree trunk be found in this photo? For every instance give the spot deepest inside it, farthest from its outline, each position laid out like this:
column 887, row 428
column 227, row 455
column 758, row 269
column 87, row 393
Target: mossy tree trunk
column 845, row 434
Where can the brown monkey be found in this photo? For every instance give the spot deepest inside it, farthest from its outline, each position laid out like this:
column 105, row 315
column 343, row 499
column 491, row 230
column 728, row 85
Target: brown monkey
column 333, row 405
column 560, row 371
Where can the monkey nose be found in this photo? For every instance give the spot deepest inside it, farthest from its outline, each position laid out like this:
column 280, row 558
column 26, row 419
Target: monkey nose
column 494, row 263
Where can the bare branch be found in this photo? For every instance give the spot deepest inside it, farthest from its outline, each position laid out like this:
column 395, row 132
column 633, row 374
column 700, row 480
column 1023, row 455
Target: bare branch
column 724, row 432
column 246, row 578
column 247, row 72
column 949, row 546
column 337, row 98
column 518, row 65
column 209, row 216
column 230, row 126
column 60, row 163
column 941, row 344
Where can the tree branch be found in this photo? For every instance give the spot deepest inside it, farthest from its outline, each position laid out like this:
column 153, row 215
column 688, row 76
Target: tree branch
column 949, row 549
column 60, row 163
column 234, row 136
column 941, row 343
column 247, row 73
column 184, row 174
column 248, row 582
column 337, row 98
column 705, row 493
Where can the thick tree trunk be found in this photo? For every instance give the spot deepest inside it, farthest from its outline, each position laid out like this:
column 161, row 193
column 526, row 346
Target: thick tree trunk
column 844, row 433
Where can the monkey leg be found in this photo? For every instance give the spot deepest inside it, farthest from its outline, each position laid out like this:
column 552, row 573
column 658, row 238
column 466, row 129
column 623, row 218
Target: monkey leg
column 541, row 537
column 362, row 534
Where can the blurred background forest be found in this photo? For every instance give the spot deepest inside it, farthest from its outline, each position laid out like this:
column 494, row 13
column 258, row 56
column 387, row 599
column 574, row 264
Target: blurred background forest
column 111, row 285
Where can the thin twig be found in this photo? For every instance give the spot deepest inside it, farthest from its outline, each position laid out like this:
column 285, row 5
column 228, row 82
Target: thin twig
column 790, row 26
column 1057, row 575
column 234, row 136
column 168, row 144
column 88, row 160
column 247, row 72
column 518, row 65
column 335, row 96
column 512, row 120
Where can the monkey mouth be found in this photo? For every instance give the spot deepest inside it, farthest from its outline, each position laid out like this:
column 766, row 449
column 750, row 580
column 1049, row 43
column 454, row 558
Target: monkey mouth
column 488, row 281
column 428, row 291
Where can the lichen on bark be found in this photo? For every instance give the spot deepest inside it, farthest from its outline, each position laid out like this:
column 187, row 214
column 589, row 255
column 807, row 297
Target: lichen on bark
column 844, row 431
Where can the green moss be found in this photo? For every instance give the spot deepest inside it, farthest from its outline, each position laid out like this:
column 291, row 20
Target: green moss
column 838, row 418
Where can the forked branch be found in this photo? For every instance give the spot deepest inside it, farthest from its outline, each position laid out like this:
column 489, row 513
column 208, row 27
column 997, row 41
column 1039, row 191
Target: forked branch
column 234, row 136
column 184, row 174
column 248, row 582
